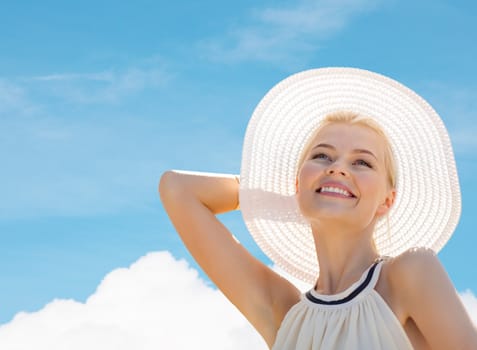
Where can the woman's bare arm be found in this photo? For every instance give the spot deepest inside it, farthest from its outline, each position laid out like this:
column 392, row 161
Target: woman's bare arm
column 192, row 200
column 429, row 298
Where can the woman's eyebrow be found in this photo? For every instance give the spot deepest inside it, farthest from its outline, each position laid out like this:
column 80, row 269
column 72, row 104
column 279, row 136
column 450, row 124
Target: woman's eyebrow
column 325, row 145
column 358, row 150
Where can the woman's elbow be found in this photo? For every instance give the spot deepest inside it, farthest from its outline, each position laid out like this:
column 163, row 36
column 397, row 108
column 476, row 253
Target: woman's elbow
column 168, row 184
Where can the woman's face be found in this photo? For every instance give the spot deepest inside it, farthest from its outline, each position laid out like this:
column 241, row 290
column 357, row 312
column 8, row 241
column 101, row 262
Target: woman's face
column 343, row 176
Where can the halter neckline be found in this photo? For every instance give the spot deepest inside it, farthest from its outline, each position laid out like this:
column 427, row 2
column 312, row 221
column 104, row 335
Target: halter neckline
column 350, row 293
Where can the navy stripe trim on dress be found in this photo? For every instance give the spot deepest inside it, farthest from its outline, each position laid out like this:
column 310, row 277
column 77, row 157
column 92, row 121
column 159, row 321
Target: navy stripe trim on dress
column 351, row 296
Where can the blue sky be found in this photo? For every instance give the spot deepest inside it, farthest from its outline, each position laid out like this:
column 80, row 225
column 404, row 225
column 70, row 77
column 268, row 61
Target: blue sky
column 97, row 99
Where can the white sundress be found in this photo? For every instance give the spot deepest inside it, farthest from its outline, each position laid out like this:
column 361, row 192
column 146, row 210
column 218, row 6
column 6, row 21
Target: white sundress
column 357, row 318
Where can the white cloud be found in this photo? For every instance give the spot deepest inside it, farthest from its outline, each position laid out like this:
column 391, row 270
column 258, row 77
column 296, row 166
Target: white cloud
column 285, row 34
column 156, row 303
column 470, row 303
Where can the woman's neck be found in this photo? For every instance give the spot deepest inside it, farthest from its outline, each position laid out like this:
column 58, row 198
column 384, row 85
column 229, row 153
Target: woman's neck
column 343, row 256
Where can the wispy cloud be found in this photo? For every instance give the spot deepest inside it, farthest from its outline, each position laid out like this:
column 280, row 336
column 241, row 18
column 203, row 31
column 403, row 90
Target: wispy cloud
column 107, row 76
column 107, row 86
column 285, row 34
column 75, row 143
column 13, row 98
column 31, row 94
column 53, row 166
column 10, row 95
column 457, row 105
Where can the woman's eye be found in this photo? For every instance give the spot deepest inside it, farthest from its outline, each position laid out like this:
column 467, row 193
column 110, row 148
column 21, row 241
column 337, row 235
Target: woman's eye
column 363, row 162
column 320, row 156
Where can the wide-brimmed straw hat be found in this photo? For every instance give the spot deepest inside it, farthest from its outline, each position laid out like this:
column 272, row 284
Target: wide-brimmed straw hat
column 428, row 202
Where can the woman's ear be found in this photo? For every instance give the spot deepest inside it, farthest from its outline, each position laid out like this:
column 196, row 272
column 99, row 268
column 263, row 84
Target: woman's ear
column 387, row 204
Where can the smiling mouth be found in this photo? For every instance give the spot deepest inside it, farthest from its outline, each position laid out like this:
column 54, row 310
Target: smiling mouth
column 335, row 192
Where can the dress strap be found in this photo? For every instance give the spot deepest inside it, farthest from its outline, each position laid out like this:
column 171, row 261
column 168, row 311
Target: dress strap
column 377, row 272
column 372, row 276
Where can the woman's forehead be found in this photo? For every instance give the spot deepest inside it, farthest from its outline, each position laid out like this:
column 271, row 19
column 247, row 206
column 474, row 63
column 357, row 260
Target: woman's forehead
column 353, row 136
column 339, row 131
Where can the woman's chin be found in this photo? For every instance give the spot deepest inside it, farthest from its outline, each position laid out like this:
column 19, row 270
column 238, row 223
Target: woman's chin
column 332, row 211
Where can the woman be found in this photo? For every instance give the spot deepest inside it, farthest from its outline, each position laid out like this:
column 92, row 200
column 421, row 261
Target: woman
column 348, row 182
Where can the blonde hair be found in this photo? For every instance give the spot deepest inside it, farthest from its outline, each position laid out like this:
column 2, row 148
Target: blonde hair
column 352, row 118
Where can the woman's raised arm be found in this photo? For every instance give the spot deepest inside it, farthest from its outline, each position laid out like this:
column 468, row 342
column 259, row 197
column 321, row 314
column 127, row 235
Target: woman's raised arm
column 218, row 192
column 192, row 200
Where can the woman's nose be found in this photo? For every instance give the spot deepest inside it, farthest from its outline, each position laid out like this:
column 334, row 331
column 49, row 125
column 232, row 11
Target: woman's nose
column 336, row 169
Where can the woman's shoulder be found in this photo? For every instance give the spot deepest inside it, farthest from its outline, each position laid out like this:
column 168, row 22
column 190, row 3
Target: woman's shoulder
column 411, row 273
column 408, row 267
column 411, row 277
column 406, row 278
column 422, row 291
